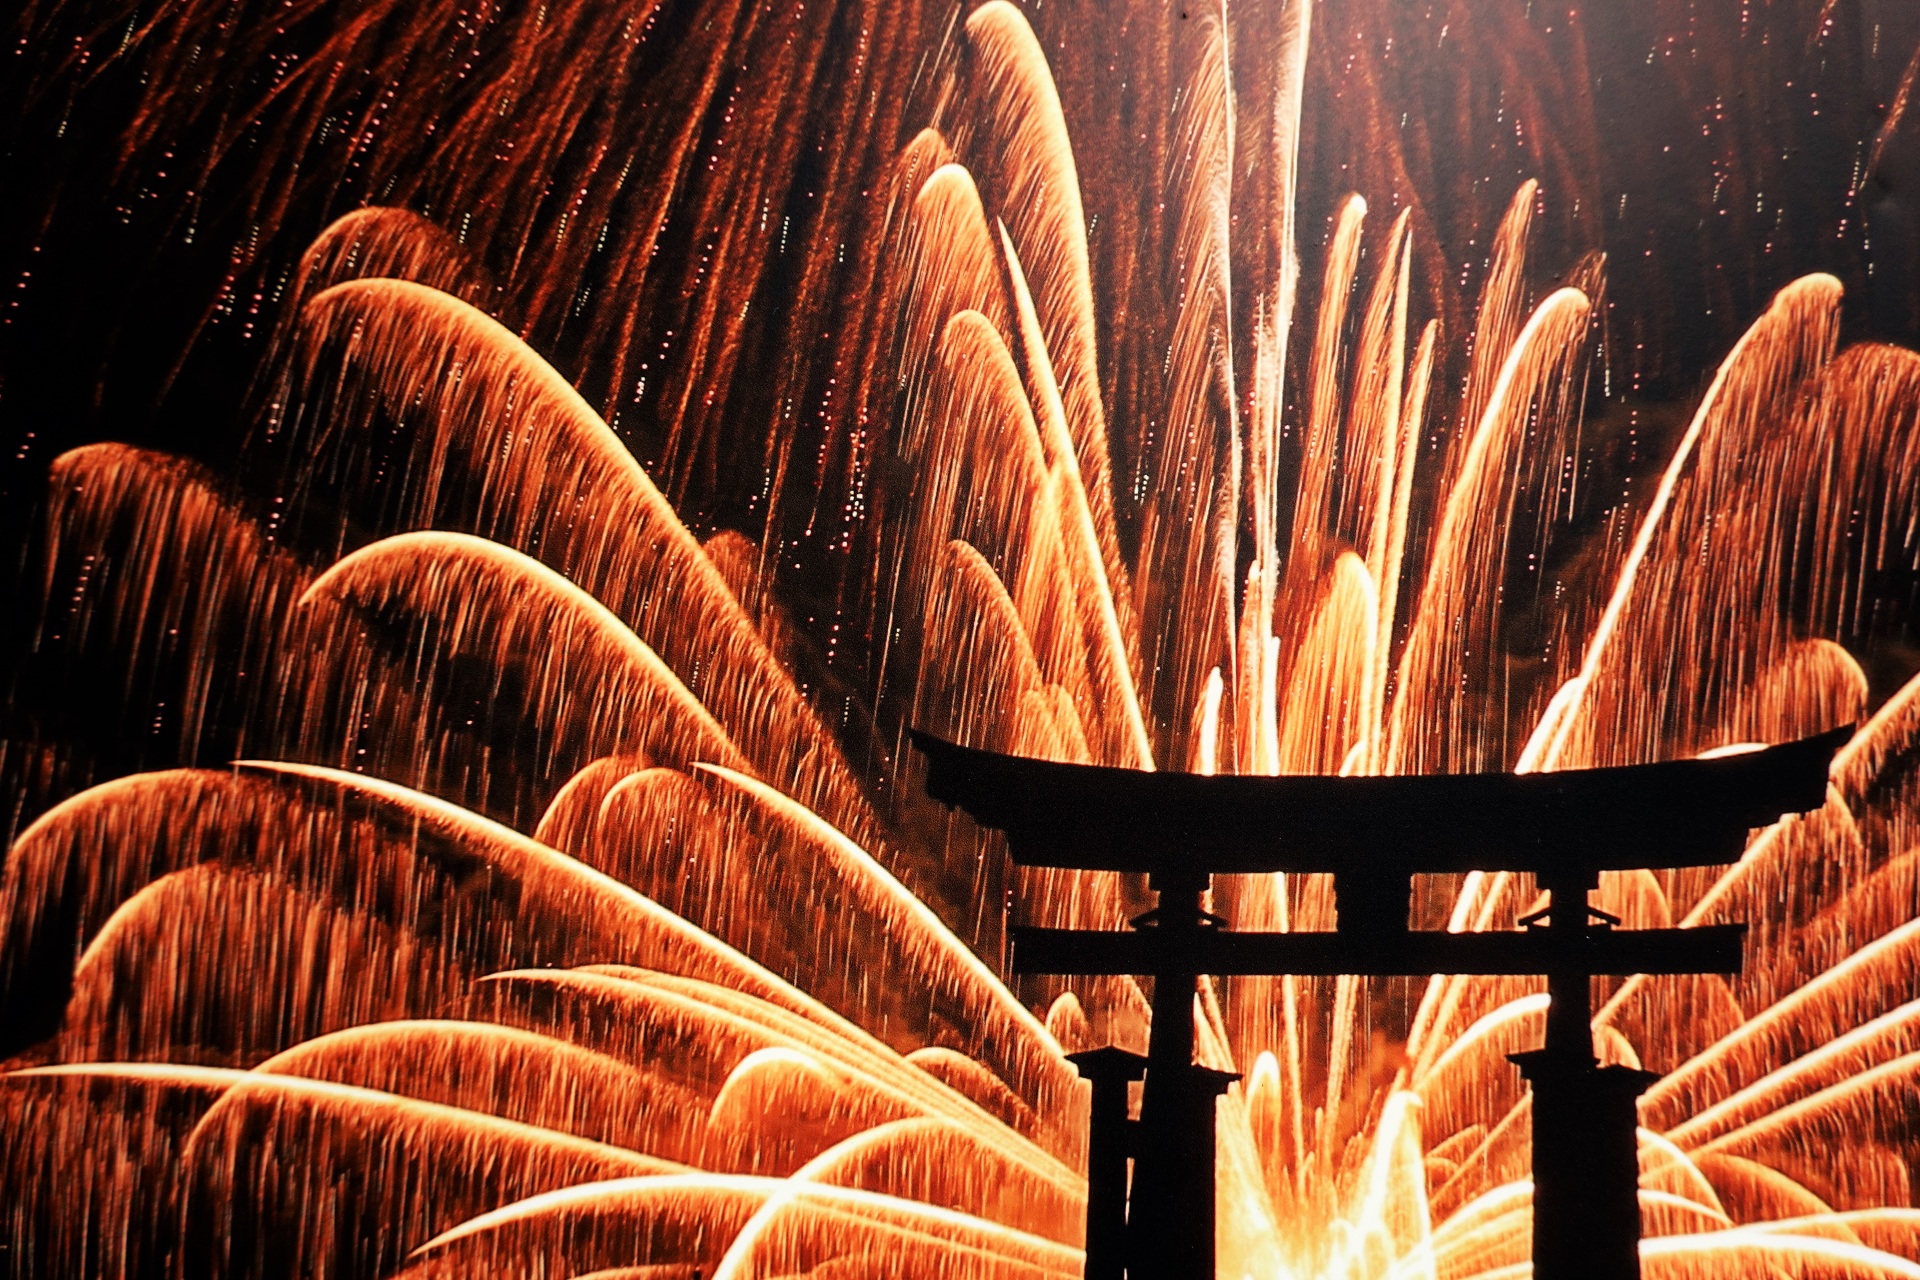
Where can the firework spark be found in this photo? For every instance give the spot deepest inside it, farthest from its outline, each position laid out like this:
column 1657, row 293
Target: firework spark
column 569, row 911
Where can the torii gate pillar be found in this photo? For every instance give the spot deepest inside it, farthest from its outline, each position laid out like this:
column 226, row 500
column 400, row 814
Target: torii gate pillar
column 1586, row 1171
column 1586, row 1158
column 1109, row 1145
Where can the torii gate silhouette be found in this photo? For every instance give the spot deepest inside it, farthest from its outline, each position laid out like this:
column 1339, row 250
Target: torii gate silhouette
column 1372, row 834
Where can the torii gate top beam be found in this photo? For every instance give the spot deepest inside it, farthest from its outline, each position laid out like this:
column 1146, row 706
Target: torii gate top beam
column 1673, row 814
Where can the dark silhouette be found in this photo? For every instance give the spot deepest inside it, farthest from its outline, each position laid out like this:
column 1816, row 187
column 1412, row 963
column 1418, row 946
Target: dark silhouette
column 1109, row 1146
column 1372, row 835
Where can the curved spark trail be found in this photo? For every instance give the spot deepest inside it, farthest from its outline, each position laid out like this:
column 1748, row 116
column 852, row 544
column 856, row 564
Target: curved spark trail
column 507, row 878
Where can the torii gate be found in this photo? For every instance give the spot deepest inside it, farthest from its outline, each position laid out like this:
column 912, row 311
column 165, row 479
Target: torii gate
column 1372, row 834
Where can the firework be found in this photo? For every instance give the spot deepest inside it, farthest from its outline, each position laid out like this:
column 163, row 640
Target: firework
column 503, row 877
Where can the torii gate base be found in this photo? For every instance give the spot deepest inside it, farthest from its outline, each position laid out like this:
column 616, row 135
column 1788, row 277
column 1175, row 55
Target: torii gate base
column 1109, row 1145
column 1586, row 1166
column 1179, row 1244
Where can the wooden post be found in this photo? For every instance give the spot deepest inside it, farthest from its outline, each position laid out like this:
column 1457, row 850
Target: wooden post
column 1161, row 1240
column 1586, row 1167
column 1109, row 1143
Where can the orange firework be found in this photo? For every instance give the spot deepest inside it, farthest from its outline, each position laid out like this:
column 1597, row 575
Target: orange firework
column 564, row 911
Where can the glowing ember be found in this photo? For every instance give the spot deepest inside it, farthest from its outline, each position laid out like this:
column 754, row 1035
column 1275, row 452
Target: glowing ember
column 561, row 918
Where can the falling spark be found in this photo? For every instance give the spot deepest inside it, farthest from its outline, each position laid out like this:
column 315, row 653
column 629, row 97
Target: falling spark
column 565, row 915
